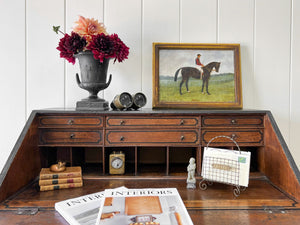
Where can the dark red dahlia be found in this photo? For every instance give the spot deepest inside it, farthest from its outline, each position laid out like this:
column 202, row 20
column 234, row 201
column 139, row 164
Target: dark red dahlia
column 120, row 48
column 101, row 46
column 70, row 45
column 108, row 46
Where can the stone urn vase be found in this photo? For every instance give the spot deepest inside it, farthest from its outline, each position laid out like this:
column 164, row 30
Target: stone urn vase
column 93, row 76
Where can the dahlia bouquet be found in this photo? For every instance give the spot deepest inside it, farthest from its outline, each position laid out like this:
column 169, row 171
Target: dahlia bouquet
column 91, row 35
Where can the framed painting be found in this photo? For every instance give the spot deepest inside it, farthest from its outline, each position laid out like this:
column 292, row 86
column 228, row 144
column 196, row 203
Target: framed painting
column 196, row 76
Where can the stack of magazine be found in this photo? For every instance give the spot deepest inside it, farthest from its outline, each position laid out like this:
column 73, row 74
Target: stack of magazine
column 122, row 206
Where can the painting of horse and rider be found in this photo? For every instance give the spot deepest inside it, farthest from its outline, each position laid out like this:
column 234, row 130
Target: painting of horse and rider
column 205, row 76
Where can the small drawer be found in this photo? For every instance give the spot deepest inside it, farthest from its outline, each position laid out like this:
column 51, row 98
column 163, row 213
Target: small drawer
column 70, row 121
column 128, row 122
column 70, row 137
column 154, row 137
column 233, row 121
column 242, row 137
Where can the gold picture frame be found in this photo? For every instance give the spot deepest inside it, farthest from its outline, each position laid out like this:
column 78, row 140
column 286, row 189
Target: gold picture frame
column 214, row 82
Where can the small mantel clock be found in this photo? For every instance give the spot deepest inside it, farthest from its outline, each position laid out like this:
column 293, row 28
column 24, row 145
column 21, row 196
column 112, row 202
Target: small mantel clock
column 117, row 163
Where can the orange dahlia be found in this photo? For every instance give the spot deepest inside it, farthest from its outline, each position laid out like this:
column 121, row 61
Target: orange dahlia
column 87, row 27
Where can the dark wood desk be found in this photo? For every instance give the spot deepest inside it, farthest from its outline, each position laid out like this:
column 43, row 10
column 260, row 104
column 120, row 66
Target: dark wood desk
column 172, row 136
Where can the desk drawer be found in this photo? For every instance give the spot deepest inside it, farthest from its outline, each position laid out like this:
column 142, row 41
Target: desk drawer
column 242, row 137
column 70, row 137
column 154, row 137
column 233, row 121
column 70, row 121
column 186, row 122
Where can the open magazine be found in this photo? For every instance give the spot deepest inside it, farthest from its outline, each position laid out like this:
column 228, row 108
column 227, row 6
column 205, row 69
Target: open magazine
column 82, row 210
column 160, row 206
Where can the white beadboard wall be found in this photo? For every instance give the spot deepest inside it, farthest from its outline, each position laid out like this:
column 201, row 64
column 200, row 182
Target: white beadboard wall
column 34, row 77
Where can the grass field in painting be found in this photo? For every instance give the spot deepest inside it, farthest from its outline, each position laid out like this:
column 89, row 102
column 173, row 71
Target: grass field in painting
column 220, row 87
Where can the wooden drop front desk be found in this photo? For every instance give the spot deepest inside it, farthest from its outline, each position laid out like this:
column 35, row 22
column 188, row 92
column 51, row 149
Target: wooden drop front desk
column 157, row 145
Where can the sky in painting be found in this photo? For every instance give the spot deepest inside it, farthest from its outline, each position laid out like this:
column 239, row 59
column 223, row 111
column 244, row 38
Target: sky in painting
column 172, row 59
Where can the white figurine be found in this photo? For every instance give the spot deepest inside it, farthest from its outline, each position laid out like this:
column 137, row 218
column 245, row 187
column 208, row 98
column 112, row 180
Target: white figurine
column 191, row 180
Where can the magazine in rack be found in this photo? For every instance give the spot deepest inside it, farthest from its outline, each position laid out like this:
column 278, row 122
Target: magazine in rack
column 160, row 206
column 82, row 210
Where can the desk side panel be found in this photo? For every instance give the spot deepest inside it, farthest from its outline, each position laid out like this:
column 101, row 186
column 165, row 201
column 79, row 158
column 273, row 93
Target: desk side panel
column 23, row 164
column 279, row 165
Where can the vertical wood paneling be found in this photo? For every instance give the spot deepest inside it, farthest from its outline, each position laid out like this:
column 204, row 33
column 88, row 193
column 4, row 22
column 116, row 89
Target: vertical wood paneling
column 272, row 59
column 124, row 18
column 74, row 8
column 198, row 21
column 42, row 79
column 45, row 76
column 160, row 24
column 236, row 19
column 295, row 81
column 12, row 79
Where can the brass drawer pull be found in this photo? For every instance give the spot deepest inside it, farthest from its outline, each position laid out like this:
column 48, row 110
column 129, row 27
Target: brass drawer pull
column 233, row 136
column 182, row 138
column 72, row 136
column 122, row 138
column 233, row 121
column 122, row 122
column 182, row 122
column 71, row 122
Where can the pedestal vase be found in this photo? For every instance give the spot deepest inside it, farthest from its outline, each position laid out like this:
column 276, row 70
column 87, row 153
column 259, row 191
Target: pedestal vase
column 93, row 76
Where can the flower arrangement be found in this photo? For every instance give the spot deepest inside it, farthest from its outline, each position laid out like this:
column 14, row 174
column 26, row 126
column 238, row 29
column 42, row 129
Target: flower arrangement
column 90, row 35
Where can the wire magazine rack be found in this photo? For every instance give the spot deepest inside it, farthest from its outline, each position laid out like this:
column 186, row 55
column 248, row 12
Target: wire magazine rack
column 212, row 167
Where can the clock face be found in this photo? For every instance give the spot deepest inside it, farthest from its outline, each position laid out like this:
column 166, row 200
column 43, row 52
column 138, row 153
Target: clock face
column 117, row 163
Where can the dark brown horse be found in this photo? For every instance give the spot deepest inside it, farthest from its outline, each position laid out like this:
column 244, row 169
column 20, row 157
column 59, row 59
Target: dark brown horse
column 188, row 72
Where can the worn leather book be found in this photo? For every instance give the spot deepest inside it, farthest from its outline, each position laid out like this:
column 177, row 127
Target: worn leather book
column 60, row 186
column 60, row 181
column 70, row 172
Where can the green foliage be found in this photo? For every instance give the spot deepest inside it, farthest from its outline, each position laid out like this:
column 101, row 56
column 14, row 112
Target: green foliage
column 221, row 88
column 56, row 29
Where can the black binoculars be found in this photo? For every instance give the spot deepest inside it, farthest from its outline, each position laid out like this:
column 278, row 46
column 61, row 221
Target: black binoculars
column 126, row 101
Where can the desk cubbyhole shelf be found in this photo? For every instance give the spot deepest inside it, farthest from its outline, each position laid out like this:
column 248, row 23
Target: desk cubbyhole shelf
column 89, row 158
column 139, row 161
column 153, row 161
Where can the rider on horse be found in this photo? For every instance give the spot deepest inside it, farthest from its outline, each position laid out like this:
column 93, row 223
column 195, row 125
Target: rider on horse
column 198, row 62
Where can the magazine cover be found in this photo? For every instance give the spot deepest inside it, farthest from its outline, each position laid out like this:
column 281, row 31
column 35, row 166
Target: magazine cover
column 159, row 206
column 82, row 210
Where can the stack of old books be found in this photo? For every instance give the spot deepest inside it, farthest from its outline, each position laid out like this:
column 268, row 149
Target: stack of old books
column 70, row 178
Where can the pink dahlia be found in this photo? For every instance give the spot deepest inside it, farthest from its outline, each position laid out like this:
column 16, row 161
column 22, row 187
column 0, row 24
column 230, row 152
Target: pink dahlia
column 88, row 27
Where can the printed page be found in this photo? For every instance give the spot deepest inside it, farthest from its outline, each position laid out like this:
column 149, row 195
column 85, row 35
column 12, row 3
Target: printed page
column 160, row 206
column 82, row 210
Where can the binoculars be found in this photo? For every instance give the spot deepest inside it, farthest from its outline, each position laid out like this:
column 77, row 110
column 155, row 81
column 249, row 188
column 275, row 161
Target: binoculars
column 126, row 101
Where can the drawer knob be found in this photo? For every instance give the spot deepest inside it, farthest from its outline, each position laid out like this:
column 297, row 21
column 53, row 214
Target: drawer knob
column 233, row 121
column 122, row 138
column 182, row 122
column 72, row 136
column 233, row 136
column 182, row 138
column 122, row 122
column 70, row 122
